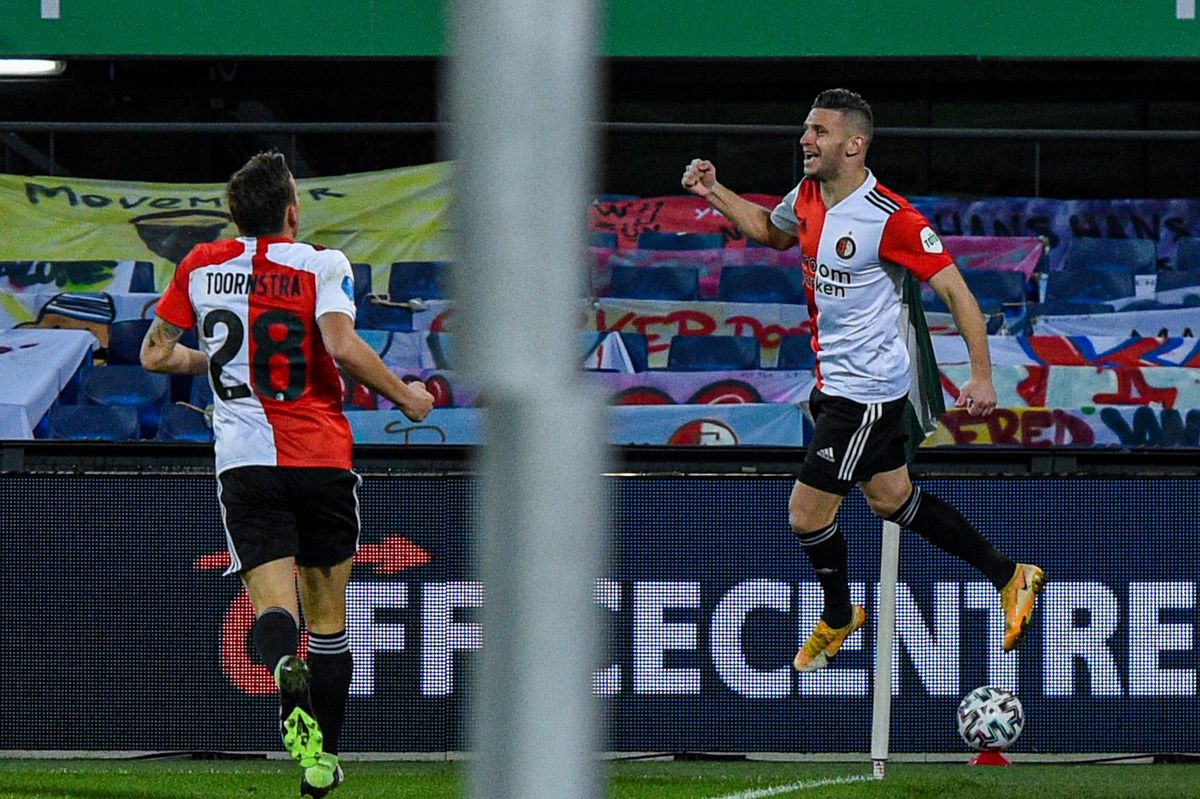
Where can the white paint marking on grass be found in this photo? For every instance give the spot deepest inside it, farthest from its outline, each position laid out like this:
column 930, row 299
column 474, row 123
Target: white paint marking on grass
column 50, row 9
column 1185, row 9
column 778, row 790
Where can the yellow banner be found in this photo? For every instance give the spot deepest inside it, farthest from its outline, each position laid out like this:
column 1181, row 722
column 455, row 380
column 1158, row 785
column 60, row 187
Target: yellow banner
column 374, row 217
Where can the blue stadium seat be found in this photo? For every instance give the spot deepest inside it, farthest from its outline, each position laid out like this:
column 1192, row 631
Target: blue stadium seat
column 603, row 239
column 1187, row 255
column 1136, row 255
column 993, row 312
column 1003, row 286
column 761, row 284
column 362, row 281
column 657, row 240
column 796, row 352
column 713, row 353
column 181, row 423
column 200, row 393
column 93, row 422
column 125, row 341
column 638, row 347
column 655, row 282
column 424, row 279
column 373, row 315
column 1091, row 285
column 1064, row 308
column 1172, row 281
column 128, row 387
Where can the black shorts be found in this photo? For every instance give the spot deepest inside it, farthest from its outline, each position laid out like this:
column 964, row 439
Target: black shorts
column 273, row 512
column 852, row 442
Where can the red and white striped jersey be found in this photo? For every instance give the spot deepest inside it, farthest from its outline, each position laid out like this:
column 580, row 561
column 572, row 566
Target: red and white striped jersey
column 854, row 254
column 277, row 393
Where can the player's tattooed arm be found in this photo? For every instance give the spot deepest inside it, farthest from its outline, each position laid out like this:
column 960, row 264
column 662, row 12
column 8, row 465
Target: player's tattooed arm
column 161, row 351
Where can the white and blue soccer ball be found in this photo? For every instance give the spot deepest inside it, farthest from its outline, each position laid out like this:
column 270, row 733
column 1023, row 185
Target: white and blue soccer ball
column 990, row 718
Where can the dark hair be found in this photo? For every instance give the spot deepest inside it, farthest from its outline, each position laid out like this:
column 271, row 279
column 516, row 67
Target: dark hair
column 851, row 104
column 259, row 194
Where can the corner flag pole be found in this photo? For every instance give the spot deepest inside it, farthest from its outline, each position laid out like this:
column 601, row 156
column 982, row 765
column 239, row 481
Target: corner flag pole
column 885, row 633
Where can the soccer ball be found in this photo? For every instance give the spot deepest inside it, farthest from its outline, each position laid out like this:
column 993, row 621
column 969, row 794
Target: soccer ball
column 990, row 719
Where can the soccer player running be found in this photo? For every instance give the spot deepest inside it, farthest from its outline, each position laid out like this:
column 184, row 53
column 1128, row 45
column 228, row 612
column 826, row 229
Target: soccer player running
column 275, row 316
column 857, row 238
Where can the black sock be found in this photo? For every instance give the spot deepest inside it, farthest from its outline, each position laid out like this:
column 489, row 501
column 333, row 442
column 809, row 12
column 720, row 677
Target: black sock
column 944, row 527
column 826, row 550
column 332, row 666
column 276, row 635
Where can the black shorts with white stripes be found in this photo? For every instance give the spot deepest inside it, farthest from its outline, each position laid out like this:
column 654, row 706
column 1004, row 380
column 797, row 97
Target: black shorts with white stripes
column 273, row 512
column 852, row 442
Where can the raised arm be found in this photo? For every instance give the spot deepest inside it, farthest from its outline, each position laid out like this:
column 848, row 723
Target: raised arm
column 977, row 395
column 754, row 221
column 162, row 352
column 363, row 365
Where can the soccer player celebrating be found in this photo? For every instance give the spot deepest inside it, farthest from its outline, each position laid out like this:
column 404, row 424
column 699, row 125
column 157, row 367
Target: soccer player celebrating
column 857, row 238
column 275, row 316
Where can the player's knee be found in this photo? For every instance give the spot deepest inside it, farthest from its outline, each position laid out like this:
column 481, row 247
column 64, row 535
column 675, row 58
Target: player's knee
column 885, row 504
column 803, row 520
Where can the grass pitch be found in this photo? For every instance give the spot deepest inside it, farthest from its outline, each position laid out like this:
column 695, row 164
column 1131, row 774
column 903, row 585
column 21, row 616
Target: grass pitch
column 259, row 779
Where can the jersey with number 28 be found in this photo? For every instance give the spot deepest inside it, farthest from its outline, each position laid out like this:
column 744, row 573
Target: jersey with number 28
column 276, row 390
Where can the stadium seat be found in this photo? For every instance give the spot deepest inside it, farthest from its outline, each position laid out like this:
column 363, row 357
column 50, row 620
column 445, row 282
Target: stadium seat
column 128, row 387
column 1136, row 255
column 1187, row 255
column 638, row 347
column 796, row 352
column 603, row 239
column 1064, row 308
column 761, row 284
column 1090, row 285
column 362, row 281
column 655, row 282
column 125, row 341
column 993, row 311
column 615, row 198
column 1173, row 281
column 426, row 280
column 93, row 422
column 1004, row 286
column 713, row 353
column 375, row 315
column 181, row 423
column 657, row 240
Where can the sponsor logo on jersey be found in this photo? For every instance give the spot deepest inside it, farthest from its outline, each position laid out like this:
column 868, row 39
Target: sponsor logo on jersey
column 930, row 241
column 845, row 248
column 348, row 287
column 277, row 284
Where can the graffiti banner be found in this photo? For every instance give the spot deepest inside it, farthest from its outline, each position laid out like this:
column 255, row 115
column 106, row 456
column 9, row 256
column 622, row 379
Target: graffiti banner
column 1075, row 351
column 1162, row 323
column 709, row 425
column 1062, row 427
column 667, row 425
column 682, row 214
column 703, row 388
column 374, row 217
column 660, row 320
column 1084, row 386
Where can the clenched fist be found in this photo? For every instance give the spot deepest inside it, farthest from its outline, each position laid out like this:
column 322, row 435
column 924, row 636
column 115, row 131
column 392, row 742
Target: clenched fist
column 418, row 402
column 699, row 177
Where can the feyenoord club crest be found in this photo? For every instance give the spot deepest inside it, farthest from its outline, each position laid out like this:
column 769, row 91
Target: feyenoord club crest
column 845, row 248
